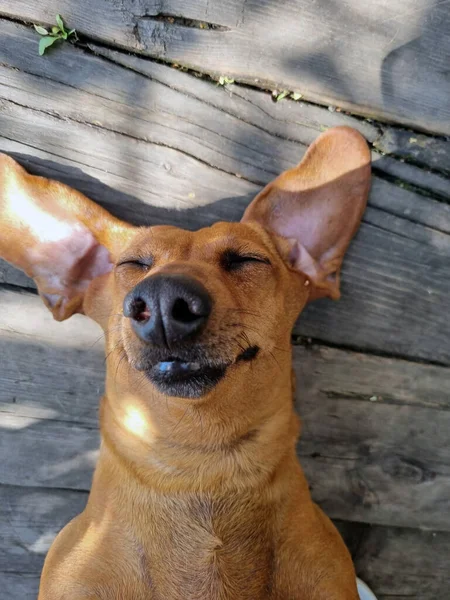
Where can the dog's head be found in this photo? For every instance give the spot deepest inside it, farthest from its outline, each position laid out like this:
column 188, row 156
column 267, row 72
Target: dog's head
column 181, row 308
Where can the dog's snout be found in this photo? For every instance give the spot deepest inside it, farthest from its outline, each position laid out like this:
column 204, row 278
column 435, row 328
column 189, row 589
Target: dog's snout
column 168, row 308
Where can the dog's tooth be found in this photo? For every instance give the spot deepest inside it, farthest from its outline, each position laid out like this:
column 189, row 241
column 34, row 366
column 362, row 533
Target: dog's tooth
column 189, row 366
column 166, row 366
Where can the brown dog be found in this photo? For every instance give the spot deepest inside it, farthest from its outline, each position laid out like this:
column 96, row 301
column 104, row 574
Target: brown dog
column 197, row 494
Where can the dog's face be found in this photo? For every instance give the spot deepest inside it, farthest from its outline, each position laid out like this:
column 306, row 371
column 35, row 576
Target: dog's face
column 183, row 311
column 188, row 307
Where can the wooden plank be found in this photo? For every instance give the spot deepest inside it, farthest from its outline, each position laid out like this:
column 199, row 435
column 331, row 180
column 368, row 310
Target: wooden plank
column 375, row 442
column 170, row 153
column 29, row 521
column 405, row 564
column 47, row 453
column 19, row 586
column 337, row 374
column 424, row 150
column 356, row 59
column 396, row 562
column 408, row 176
column 42, row 375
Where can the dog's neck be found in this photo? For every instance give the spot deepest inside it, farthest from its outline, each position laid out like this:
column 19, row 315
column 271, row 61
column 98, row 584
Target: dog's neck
column 235, row 437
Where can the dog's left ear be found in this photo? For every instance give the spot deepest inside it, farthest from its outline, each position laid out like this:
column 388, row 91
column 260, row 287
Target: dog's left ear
column 55, row 235
column 318, row 206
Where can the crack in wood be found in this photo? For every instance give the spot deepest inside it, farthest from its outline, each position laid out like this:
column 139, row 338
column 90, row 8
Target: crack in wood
column 309, row 342
column 45, row 490
column 180, row 21
column 394, row 233
column 126, row 135
column 403, row 217
column 407, row 185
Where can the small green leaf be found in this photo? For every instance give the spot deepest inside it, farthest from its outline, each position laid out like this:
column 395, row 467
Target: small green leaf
column 296, row 96
column 40, row 30
column 223, row 80
column 60, row 23
column 282, row 95
column 55, row 30
column 64, row 35
column 45, row 43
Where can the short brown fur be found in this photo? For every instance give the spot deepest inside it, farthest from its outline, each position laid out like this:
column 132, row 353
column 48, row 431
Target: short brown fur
column 197, row 499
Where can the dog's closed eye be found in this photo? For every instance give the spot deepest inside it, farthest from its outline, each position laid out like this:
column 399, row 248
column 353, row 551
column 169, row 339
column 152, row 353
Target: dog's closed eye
column 141, row 263
column 232, row 260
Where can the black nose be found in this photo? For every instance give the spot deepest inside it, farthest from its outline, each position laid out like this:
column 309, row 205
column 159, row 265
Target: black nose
column 166, row 309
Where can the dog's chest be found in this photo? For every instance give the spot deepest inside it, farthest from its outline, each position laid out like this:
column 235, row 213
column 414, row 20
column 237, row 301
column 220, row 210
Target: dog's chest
column 210, row 550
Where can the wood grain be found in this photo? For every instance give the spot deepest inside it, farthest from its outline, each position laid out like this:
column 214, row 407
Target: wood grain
column 384, row 60
column 23, row 586
column 158, row 145
column 29, row 520
column 404, row 563
column 161, row 146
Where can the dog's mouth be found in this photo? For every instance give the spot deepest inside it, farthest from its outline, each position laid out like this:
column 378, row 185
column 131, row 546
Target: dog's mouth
column 190, row 377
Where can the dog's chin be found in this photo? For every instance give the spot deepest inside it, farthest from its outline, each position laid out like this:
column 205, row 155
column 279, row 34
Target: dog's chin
column 185, row 379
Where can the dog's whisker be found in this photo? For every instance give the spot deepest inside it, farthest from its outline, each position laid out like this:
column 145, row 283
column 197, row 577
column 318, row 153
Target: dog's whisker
column 282, row 349
column 242, row 311
column 104, row 334
column 117, row 345
column 121, row 359
column 271, row 354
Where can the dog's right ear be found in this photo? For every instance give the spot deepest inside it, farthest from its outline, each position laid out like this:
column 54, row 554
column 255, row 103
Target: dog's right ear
column 55, row 235
column 317, row 206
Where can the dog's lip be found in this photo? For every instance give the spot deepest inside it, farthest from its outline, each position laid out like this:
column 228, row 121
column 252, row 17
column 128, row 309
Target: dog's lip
column 179, row 372
column 183, row 364
column 177, row 367
column 190, row 375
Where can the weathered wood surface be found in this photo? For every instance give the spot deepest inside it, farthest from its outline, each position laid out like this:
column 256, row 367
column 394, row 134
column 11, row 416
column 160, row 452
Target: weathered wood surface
column 23, row 586
column 405, row 564
column 388, row 59
column 157, row 145
column 162, row 146
column 30, row 518
column 376, row 431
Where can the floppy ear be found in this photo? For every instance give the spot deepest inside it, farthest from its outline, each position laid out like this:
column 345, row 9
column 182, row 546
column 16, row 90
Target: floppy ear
column 56, row 235
column 318, row 206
